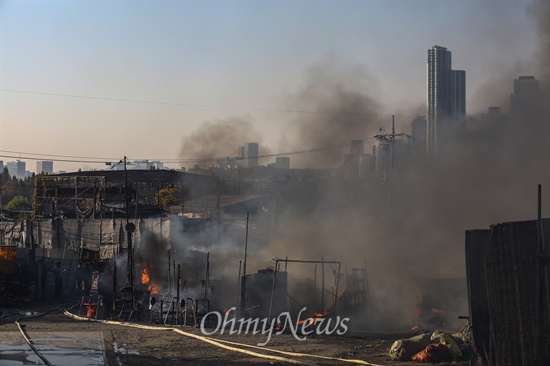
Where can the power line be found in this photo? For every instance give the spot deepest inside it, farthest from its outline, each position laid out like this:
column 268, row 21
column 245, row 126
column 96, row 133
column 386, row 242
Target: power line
column 82, row 159
column 60, row 156
column 57, row 160
column 198, row 105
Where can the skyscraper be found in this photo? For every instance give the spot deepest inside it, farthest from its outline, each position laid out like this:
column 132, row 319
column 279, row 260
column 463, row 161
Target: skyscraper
column 251, row 154
column 17, row 169
column 526, row 98
column 418, row 132
column 446, row 104
column 44, row 167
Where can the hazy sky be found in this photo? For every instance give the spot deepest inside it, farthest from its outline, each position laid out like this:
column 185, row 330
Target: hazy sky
column 112, row 78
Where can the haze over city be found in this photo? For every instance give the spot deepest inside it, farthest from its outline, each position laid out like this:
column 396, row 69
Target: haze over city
column 145, row 79
column 401, row 149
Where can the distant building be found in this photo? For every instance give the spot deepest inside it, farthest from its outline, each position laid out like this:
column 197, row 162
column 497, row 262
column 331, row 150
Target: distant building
column 250, row 154
column 446, row 104
column 140, row 165
column 496, row 117
column 381, row 153
column 2, row 165
column 526, row 97
column 494, row 111
column 282, row 162
column 17, row 169
column 418, row 130
column 228, row 163
column 357, row 164
column 391, row 154
column 44, row 167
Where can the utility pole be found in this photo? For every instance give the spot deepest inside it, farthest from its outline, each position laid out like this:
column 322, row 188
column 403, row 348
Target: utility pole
column 130, row 228
column 388, row 141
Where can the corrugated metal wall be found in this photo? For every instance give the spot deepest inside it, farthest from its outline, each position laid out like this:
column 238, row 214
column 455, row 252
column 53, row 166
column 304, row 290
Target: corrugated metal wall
column 512, row 266
column 477, row 244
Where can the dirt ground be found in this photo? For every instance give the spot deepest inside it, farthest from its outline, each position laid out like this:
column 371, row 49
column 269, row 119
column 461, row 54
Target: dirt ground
column 127, row 345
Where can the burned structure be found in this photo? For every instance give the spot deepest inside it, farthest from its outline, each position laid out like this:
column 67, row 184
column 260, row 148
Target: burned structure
column 116, row 193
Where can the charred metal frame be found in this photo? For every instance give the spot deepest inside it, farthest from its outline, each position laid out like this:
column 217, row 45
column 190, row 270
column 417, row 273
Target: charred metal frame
column 322, row 262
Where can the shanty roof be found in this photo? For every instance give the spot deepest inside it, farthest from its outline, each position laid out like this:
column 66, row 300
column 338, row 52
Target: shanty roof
column 142, row 175
column 230, row 200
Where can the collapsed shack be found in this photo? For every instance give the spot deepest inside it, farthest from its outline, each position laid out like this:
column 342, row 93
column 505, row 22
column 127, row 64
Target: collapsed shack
column 265, row 294
column 115, row 193
column 439, row 302
column 280, row 295
column 14, row 277
column 508, row 287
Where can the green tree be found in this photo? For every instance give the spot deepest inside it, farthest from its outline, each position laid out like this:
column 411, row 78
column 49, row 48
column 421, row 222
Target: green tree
column 171, row 196
column 19, row 207
column 5, row 177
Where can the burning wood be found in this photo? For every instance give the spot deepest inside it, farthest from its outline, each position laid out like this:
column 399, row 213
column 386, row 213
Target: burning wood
column 154, row 289
column 312, row 319
column 145, row 275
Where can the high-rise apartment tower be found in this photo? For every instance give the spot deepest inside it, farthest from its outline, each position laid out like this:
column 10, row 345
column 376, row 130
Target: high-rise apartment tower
column 446, row 104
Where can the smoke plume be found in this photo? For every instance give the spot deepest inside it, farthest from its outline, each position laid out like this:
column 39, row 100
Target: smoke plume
column 218, row 139
column 340, row 105
column 412, row 225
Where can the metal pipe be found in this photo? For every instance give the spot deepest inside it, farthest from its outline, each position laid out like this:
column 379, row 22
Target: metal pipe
column 322, row 285
column 169, row 275
column 539, row 323
column 114, row 286
column 307, row 261
column 315, row 288
column 273, row 289
column 207, row 275
column 336, row 293
column 243, row 286
column 239, row 281
column 178, row 294
column 298, row 261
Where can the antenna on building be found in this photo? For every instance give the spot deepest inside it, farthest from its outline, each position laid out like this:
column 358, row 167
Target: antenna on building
column 384, row 162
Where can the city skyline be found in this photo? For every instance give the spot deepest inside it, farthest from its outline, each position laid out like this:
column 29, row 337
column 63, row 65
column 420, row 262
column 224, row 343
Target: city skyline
column 137, row 79
column 446, row 104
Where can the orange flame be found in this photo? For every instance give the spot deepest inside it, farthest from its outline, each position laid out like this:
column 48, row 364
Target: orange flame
column 315, row 316
column 145, row 275
column 154, row 289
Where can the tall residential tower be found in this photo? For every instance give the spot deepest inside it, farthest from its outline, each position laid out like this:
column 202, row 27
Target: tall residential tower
column 446, row 104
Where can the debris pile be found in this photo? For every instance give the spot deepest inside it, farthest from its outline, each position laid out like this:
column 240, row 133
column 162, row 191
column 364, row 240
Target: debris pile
column 436, row 347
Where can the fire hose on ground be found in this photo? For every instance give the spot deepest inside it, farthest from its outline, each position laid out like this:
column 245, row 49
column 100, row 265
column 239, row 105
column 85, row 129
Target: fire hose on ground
column 228, row 345
column 26, row 337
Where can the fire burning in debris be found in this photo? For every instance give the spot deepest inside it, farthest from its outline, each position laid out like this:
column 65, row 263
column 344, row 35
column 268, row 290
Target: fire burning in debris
column 145, row 276
column 154, row 289
column 315, row 316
